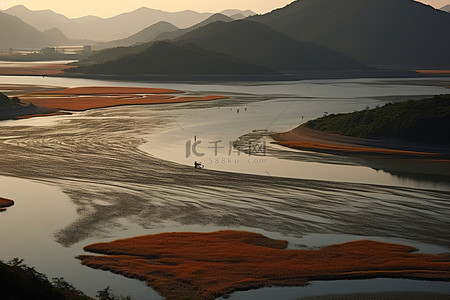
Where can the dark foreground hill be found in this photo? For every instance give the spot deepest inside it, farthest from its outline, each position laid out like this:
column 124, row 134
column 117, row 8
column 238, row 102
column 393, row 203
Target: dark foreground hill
column 22, row 282
column 402, row 33
column 165, row 58
column 423, row 120
column 261, row 45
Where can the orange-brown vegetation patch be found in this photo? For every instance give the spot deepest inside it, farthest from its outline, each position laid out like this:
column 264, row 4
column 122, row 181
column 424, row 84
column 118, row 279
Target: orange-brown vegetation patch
column 83, row 98
column 105, row 90
column 5, row 203
column 209, row 265
column 360, row 150
column 433, row 71
column 43, row 70
column 41, row 115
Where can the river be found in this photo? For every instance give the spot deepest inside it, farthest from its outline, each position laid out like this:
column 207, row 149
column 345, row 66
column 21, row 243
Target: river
column 111, row 173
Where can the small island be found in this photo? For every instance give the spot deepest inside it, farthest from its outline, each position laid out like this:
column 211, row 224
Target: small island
column 412, row 128
column 11, row 108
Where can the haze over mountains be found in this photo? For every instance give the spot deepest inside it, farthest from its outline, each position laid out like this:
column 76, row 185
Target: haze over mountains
column 18, row 34
column 164, row 58
column 262, row 45
column 117, row 27
column 402, row 33
column 307, row 35
column 446, row 8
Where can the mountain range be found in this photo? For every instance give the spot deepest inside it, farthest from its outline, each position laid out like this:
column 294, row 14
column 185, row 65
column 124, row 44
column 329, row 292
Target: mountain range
column 178, row 33
column 146, row 35
column 306, row 35
column 446, row 8
column 14, row 33
column 401, row 33
column 245, row 45
column 165, row 58
column 261, row 45
column 160, row 31
column 113, row 28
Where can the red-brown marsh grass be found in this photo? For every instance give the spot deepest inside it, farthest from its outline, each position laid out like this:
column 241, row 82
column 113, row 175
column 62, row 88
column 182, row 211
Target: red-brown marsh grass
column 42, row 70
column 4, row 203
column 210, row 265
column 84, row 98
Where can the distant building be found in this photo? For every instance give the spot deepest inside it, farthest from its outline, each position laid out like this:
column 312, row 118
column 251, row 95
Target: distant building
column 48, row 51
column 87, row 49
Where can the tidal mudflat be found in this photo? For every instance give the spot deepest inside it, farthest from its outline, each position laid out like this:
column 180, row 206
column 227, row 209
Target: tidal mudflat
column 122, row 171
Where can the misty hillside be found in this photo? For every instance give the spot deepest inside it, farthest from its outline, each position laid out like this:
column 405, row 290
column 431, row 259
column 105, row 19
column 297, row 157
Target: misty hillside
column 14, row 33
column 232, row 12
column 57, row 36
column 175, row 34
column 164, row 58
column 144, row 36
column 261, row 45
column 375, row 32
column 40, row 19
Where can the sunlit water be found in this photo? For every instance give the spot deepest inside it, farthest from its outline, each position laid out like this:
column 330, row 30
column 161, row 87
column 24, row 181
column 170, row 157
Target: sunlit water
column 119, row 172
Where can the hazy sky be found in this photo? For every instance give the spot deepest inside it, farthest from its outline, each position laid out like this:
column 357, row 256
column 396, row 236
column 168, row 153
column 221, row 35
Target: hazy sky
column 108, row 8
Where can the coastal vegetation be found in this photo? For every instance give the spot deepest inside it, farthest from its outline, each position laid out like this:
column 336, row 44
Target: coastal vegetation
column 412, row 120
column 20, row 281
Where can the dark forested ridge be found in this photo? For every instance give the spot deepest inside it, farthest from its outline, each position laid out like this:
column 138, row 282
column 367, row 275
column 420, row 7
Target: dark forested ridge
column 165, row 58
column 402, row 33
column 423, row 120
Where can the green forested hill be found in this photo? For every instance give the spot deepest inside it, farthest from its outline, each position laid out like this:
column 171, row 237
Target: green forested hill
column 166, row 58
column 425, row 120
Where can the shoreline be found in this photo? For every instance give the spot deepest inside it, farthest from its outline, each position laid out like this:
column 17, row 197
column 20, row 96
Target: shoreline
column 66, row 100
column 288, row 76
column 304, row 138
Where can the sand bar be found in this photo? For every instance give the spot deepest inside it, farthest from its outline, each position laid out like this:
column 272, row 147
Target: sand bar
column 210, row 265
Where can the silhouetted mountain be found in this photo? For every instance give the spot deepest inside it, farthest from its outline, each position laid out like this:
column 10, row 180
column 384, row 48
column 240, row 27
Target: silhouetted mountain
column 14, row 33
column 57, row 36
column 175, row 34
column 377, row 32
column 261, row 45
column 60, row 39
column 238, row 17
column 165, row 58
column 231, row 12
column 446, row 8
column 40, row 19
column 95, row 28
column 144, row 36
